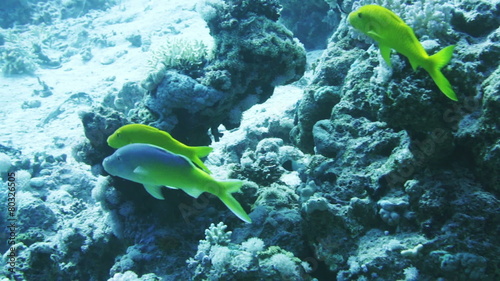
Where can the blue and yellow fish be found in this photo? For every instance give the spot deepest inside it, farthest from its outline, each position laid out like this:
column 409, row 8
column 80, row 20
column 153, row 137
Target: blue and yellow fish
column 155, row 167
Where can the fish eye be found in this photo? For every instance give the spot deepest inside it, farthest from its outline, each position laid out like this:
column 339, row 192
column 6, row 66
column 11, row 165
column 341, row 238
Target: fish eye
column 360, row 15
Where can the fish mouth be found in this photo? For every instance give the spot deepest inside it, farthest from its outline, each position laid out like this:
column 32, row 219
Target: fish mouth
column 109, row 140
column 106, row 166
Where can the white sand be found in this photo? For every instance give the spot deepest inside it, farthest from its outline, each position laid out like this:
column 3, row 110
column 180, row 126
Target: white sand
column 24, row 129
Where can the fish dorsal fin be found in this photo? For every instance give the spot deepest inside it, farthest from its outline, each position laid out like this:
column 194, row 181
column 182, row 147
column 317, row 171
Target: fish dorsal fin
column 385, row 51
column 193, row 192
column 155, row 191
column 202, row 151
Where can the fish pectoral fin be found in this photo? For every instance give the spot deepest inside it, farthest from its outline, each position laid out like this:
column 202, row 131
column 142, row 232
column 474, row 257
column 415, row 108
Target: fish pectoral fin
column 193, row 192
column 141, row 171
column 155, row 191
column 386, row 54
column 374, row 35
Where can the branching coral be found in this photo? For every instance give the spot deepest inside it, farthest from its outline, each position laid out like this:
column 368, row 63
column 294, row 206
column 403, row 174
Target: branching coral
column 180, row 54
column 219, row 259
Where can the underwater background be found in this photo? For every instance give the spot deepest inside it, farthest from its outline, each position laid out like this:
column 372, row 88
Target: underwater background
column 352, row 170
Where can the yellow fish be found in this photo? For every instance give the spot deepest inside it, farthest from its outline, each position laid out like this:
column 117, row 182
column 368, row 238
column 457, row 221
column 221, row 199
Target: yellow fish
column 391, row 32
column 139, row 133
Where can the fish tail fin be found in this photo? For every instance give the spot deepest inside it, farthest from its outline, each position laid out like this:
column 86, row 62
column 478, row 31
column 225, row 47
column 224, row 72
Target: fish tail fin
column 442, row 57
column 226, row 188
column 435, row 63
column 200, row 152
column 230, row 186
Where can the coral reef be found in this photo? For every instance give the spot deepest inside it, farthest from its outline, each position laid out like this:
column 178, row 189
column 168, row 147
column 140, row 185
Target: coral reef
column 98, row 125
column 398, row 155
column 252, row 54
column 217, row 258
column 366, row 173
column 312, row 21
column 188, row 120
column 60, row 229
